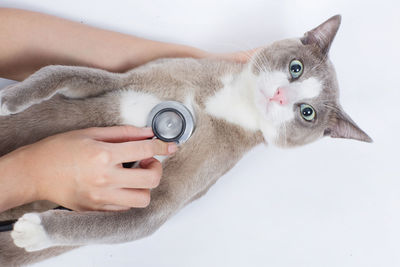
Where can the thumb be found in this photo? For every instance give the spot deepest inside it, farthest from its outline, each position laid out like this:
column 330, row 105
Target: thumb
column 118, row 134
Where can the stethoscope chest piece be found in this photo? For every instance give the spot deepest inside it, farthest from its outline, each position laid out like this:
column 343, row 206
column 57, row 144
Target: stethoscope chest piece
column 171, row 121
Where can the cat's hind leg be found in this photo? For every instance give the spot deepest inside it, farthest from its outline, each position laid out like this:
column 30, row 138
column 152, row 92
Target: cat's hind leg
column 70, row 81
column 38, row 231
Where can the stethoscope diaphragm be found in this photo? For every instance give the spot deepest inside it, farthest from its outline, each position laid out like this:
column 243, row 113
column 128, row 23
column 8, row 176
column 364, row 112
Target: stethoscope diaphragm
column 171, row 121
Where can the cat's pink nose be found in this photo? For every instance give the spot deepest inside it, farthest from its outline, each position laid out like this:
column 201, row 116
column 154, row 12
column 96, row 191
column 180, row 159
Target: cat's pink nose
column 279, row 97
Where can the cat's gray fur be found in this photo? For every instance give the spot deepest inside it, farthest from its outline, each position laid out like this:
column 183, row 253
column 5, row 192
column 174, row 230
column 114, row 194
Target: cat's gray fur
column 214, row 148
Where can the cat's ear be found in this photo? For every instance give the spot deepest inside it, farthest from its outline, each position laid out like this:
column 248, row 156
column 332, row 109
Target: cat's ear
column 342, row 126
column 323, row 35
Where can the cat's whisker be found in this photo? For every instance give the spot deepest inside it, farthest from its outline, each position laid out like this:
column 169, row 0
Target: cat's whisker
column 254, row 61
column 283, row 133
column 265, row 61
column 256, row 64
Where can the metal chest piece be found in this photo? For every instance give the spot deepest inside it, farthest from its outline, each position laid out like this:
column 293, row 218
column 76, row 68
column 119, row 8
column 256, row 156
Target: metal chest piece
column 171, row 121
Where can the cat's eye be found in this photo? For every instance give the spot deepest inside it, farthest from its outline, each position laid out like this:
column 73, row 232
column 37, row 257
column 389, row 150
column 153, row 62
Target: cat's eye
column 307, row 112
column 295, row 68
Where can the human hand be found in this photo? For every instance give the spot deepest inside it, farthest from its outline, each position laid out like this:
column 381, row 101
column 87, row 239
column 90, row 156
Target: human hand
column 82, row 169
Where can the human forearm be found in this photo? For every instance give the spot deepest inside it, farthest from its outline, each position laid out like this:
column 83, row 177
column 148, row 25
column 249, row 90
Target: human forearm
column 32, row 40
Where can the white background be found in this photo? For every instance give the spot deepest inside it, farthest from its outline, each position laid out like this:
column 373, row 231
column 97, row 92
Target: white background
column 332, row 203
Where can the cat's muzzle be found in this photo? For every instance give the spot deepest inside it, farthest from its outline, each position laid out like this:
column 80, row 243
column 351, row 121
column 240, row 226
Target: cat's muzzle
column 171, row 121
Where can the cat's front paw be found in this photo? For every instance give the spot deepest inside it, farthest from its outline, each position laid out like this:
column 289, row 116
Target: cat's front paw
column 7, row 106
column 14, row 98
column 30, row 234
column 3, row 105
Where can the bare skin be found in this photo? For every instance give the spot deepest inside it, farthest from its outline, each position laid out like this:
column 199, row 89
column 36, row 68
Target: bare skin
column 34, row 40
column 92, row 179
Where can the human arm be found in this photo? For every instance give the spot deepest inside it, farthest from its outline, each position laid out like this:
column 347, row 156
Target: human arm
column 81, row 170
column 32, row 40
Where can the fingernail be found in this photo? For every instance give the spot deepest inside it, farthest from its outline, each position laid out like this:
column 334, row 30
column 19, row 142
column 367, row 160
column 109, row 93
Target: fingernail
column 145, row 162
column 172, row 147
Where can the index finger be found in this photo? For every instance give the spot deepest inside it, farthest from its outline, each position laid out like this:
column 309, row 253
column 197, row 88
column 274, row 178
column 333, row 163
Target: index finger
column 117, row 134
column 138, row 150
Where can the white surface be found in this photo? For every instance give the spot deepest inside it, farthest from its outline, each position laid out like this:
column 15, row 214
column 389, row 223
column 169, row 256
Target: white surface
column 332, row 203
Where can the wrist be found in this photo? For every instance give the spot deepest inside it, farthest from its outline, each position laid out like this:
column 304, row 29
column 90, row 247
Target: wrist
column 17, row 187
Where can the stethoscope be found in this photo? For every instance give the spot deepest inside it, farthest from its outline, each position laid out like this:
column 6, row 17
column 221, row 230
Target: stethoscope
column 171, row 121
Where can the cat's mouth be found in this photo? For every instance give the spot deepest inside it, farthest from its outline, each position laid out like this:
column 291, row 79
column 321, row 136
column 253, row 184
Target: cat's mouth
column 265, row 100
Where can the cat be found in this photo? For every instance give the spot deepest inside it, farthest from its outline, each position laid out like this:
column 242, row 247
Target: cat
column 286, row 95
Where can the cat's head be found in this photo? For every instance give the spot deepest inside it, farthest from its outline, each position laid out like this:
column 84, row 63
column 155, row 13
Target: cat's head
column 297, row 93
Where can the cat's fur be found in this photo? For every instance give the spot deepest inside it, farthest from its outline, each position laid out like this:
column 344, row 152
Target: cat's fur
column 233, row 114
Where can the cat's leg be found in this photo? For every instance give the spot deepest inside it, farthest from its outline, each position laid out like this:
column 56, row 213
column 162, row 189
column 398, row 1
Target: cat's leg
column 36, row 231
column 73, row 82
column 10, row 255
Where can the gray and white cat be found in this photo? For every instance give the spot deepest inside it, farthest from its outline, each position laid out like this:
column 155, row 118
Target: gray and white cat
column 286, row 95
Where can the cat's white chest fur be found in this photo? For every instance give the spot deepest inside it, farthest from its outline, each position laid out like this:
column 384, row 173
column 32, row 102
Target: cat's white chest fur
column 135, row 107
column 234, row 103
